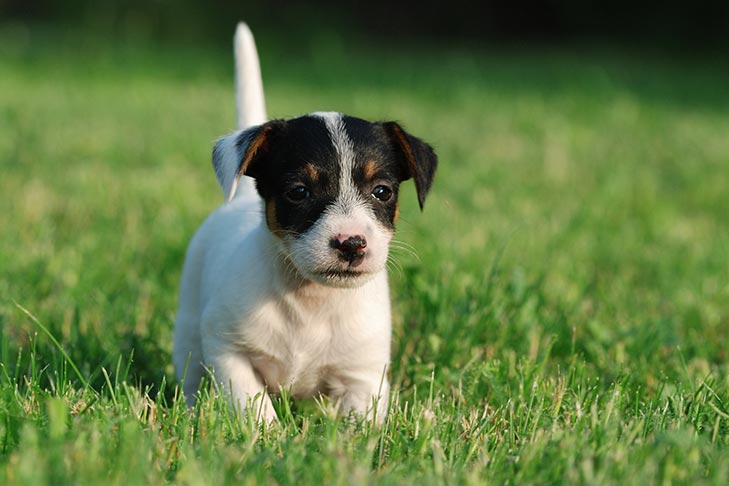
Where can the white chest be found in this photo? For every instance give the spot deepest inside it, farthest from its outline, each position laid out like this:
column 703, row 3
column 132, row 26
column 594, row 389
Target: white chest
column 299, row 345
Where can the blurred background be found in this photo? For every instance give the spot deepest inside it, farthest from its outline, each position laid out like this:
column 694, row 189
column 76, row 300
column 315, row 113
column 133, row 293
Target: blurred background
column 575, row 243
column 669, row 23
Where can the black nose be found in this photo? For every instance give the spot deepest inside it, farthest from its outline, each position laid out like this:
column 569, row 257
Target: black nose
column 350, row 248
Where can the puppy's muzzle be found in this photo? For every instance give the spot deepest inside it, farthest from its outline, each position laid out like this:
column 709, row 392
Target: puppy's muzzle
column 350, row 248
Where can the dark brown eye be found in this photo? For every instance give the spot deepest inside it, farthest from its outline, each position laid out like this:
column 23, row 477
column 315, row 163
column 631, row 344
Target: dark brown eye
column 298, row 194
column 382, row 193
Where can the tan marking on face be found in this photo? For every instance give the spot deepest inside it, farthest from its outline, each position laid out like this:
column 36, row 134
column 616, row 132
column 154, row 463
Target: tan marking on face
column 271, row 219
column 370, row 169
column 397, row 212
column 312, row 172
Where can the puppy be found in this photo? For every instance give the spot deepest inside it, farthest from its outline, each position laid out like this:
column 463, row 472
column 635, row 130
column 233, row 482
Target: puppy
column 285, row 285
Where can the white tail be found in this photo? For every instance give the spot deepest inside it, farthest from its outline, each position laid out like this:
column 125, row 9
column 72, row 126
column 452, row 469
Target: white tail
column 250, row 105
column 250, row 102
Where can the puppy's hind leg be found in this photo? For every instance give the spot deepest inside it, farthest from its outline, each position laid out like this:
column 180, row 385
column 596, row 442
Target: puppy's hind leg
column 187, row 356
column 187, row 352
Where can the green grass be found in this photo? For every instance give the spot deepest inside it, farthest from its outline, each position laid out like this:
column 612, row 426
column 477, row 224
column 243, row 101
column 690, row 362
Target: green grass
column 566, row 319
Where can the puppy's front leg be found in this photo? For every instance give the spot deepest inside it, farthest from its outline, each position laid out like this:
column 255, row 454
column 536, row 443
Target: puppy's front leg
column 237, row 378
column 367, row 398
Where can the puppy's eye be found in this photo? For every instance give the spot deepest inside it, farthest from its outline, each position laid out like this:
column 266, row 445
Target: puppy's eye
column 298, row 194
column 382, row 193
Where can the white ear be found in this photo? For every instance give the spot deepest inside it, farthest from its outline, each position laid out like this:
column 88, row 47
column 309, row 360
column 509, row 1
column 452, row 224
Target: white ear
column 231, row 156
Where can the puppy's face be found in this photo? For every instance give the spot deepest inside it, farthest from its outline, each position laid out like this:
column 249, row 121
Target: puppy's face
column 330, row 185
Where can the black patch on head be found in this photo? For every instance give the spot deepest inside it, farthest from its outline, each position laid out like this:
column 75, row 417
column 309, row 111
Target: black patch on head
column 384, row 155
column 376, row 163
column 296, row 144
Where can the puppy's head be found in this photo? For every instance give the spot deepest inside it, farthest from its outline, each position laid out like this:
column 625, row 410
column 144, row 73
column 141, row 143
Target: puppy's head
column 330, row 185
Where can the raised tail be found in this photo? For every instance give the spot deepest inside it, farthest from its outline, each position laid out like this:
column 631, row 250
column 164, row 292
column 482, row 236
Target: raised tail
column 250, row 103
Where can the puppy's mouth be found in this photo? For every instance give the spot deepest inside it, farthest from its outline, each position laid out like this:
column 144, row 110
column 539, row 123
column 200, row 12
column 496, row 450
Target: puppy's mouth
column 340, row 273
column 341, row 277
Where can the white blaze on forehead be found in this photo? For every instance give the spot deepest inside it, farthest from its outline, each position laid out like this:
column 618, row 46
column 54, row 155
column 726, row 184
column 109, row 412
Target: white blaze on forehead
column 349, row 214
column 348, row 194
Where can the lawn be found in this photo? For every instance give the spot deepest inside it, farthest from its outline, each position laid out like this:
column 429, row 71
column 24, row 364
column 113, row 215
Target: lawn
column 563, row 316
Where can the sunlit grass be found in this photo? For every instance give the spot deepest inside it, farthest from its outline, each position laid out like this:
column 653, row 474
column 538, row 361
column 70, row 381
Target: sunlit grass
column 565, row 317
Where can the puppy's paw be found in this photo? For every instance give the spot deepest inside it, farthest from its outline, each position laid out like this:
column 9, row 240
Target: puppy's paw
column 370, row 406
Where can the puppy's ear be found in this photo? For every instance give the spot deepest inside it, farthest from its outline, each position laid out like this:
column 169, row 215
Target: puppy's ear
column 240, row 153
column 418, row 158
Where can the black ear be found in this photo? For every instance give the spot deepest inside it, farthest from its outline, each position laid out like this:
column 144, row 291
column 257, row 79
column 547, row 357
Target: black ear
column 240, row 153
column 418, row 158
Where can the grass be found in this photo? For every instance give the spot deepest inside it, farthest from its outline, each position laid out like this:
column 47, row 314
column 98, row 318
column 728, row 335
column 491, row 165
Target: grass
column 565, row 319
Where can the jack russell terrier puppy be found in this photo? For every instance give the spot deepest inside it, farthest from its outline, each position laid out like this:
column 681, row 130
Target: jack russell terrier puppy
column 285, row 285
